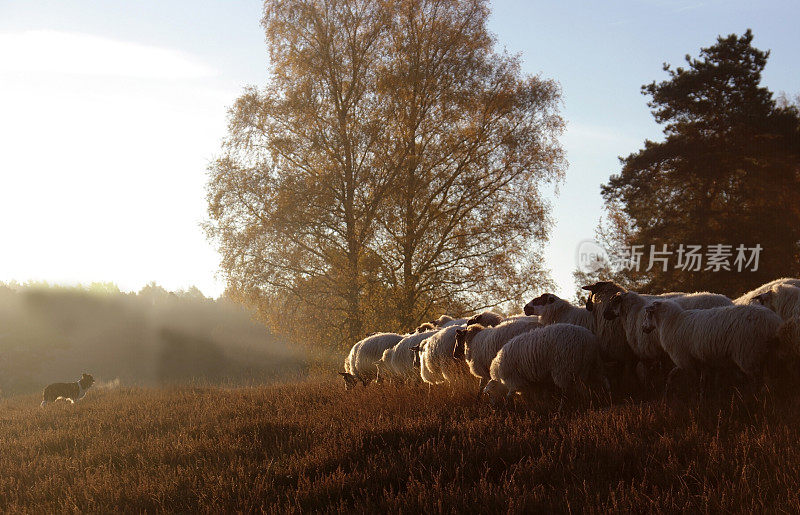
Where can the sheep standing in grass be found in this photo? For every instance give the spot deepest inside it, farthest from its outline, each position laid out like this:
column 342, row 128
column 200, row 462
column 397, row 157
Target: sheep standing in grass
column 478, row 345
column 551, row 310
column 564, row 355
column 436, row 363
column 614, row 340
column 629, row 307
column 700, row 339
column 360, row 362
column 748, row 297
column 398, row 361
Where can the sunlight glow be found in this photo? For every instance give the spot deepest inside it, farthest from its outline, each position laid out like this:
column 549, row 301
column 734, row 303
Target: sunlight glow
column 104, row 146
column 46, row 51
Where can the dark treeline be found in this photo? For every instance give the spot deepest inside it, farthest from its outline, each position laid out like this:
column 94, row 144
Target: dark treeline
column 153, row 337
column 726, row 173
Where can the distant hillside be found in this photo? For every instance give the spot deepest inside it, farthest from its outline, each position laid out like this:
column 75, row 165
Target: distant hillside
column 154, row 337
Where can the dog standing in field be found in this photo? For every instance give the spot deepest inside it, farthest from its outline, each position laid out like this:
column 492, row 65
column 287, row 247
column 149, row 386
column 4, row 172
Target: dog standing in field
column 68, row 391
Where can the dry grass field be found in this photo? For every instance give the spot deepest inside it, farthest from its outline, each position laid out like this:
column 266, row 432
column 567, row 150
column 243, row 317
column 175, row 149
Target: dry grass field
column 312, row 447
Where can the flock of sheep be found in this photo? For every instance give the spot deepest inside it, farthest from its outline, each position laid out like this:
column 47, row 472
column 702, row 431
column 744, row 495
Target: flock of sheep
column 619, row 335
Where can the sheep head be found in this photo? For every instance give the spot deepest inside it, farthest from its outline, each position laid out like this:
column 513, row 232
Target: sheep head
column 765, row 299
column 416, row 349
column 424, row 328
column 350, row 381
column 614, row 306
column 458, row 351
column 605, row 289
column 534, row 307
column 439, row 322
column 651, row 316
column 463, row 339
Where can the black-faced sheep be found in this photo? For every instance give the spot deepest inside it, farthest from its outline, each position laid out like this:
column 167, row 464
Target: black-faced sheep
column 613, row 344
column 629, row 307
column 478, row 345
column 359, row 366
column 560, row 354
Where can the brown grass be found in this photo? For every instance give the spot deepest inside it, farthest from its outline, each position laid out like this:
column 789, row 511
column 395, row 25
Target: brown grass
column 312, row 447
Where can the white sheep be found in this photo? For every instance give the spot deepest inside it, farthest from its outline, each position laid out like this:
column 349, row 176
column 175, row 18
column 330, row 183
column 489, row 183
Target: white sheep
column 398, row 362
column 478, row 345
column 435, row 357
column 748, row 297
column 629, row 306
column 699, row 339
column 557, row 354
column 360, row 362
column 698, row 300
column 551, row 310
column 614, row 335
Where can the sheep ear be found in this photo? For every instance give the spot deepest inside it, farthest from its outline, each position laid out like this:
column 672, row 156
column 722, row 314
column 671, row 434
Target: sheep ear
column 589, row 287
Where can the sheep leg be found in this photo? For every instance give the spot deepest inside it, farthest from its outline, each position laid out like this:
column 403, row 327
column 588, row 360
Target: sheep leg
column 755, row 380
column 704, row 378
column 563, row 398
column 481, row 385
column 510, row 399
column 670, row 378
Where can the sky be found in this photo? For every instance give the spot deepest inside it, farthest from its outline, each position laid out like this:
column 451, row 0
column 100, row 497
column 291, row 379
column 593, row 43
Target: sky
column 110, row 112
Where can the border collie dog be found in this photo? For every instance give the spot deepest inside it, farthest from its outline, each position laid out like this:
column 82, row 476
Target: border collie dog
column 69, row 391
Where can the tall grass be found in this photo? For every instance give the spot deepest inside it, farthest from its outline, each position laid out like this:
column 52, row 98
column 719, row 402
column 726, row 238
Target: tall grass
column 310, row 446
